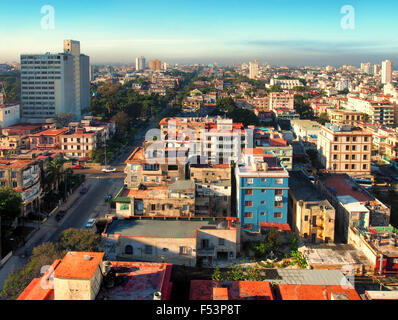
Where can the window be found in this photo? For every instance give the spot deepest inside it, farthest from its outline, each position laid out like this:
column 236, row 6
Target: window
column 365, row 157
column 249, row 180
column 221, row 242
column 263, row 180
column 263, row 191
column 124, row 206
column 248, row 203
column 347, row 147
column 278, row 181
column 353, row 157
column 346, row 166
column 153, row 207
column 185, row 207
column 353, row 148
column 347, row 156
column 277, row 215
column 353, row 166
column 249, row 192
column 335, row 157
column 365, row 148
column 148, row 249
column 278, row 192
column 364, row 167
column 248, row 226
column 314, row 221
column 248, row 215
column 263, row 202
column 305, row 218
column 335, row 147
column 278, row 204
column 262, row 214
column 128, row 249
column 184, row 250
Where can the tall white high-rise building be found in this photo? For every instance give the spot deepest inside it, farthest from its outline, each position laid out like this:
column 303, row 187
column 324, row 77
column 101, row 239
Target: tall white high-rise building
column 140, row 63
column 386, row 72
column 55, row 83
column 253, row 69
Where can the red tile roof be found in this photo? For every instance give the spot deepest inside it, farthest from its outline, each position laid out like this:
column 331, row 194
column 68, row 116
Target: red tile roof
column 238, row 290
column 313, row 292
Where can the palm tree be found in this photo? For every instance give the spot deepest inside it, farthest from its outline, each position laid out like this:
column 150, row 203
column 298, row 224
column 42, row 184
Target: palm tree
column 53, row 173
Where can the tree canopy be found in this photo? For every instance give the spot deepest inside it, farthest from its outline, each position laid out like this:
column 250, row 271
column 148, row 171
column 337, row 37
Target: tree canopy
column 10, row 203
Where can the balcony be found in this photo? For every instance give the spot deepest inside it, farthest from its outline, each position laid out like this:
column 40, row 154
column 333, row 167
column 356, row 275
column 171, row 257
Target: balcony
column 206, row 251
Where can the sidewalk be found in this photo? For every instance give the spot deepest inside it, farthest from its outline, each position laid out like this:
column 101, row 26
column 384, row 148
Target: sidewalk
column 41, row 235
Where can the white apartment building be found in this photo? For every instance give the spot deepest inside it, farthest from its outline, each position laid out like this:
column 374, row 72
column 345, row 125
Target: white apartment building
column 285, row 83
column 386, row 72
column 378, row 109
column 139, row 63
column 55, row 83
column 9, row 115
column 343, row 149
column 253, row 69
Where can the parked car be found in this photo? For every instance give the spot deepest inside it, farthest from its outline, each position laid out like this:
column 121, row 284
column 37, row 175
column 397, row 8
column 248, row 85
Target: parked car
column 108, row 197
column 83, row 190
column 59, row 215
column 90, row 223
column 108, row 170
column 77, row 166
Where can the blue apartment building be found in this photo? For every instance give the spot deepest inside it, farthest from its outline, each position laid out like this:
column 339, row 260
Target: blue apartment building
column 262, row 191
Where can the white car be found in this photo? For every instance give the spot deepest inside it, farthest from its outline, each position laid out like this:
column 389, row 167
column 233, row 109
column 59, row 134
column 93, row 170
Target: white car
column 108, row 170
column 90, row 223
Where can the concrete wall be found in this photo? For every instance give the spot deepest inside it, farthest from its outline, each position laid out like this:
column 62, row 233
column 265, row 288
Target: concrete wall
column 78, row 289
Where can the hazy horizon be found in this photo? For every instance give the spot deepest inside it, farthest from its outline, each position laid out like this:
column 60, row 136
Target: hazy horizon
column 295, row 33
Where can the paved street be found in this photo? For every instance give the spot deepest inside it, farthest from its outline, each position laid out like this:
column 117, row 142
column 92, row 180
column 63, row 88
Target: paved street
column 79, row 207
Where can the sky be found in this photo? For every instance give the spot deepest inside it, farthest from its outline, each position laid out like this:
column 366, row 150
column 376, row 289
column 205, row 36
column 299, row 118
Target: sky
column 279, row 32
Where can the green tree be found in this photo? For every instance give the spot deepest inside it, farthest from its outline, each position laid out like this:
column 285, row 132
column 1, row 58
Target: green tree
column 43, row 255
column 53, row 173
column 217, row 275
column 79, row 240
column 323, row 118
column 10, row 204
column 63, row 119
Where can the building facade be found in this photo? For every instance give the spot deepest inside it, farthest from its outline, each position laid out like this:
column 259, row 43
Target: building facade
column 261, row 191
column 55, row 83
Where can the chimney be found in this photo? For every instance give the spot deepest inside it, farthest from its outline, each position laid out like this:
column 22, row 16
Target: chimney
column 220, row 293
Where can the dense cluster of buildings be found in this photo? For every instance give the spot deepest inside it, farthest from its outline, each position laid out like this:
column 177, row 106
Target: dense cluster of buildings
column 90, row 276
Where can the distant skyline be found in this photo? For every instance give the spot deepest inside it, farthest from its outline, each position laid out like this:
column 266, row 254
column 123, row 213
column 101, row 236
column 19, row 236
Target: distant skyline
column 289, row 32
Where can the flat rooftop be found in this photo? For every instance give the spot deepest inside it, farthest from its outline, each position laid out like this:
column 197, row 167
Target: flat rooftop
column 79, row 265
column 302, row 188
column 181, row 228
column 235, row 290
column 136, row 281
column 330, row 255
column 309, row 277
column 316, row 292
column 344, row 186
